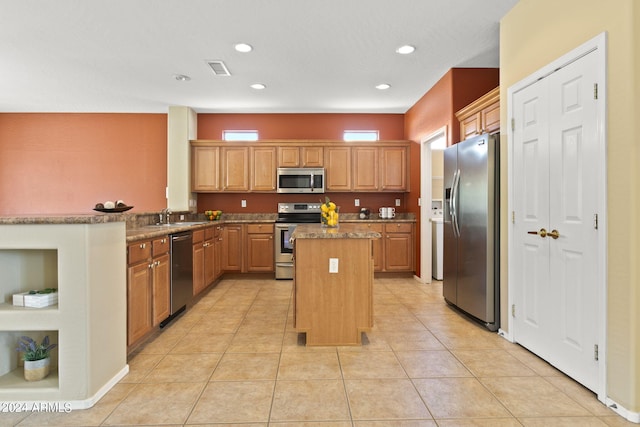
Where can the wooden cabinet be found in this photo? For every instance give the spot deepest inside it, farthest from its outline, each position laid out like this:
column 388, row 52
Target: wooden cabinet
column 217, row 252
column 263, row 168
column 290, row 156
column 260, row 248
column 232, row 247
column 394, row 251
column 197, row 240
column 481, row 116
column 209, row 256
column 235, row 168
column 204, row 259
column 205, row 169
column 393, row 169
column 161, row 279
column 337, row 161
column 398, row 247
column 365, row 169
column 218, row 166
column 148, row 286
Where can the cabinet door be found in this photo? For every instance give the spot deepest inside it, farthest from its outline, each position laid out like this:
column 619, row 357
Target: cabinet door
column 398, row 247
column 263, row 169
column 312, row 157
column 138, row 302
column 198, row 268
column 365, row 168
column 393, row 171
column 232, row 248
column 209, row 262
column 470, row 126
column 217, row 256
column 491, row 118
column 288, row 157
column 235, row 168
column 260, row 249
column 205, row 170
column 378, row 247
column 337, row 161
column 161, row 296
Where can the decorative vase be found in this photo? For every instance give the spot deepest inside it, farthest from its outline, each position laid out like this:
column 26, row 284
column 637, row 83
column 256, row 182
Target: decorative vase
column 35, row 370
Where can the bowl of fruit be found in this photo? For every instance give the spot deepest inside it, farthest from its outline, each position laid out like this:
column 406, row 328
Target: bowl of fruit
column 213, row 215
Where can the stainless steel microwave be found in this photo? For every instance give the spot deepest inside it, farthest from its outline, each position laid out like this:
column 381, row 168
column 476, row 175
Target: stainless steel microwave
column 300, row 180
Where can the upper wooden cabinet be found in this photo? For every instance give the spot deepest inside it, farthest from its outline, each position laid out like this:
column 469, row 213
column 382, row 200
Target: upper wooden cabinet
column 205, row 168
column 293, row 156
column 481, row 116
column 263, row 168
column 235, row 168
column 337, row 161
column 219, row 166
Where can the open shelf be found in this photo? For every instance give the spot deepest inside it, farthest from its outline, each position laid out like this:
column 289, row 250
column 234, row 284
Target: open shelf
column 15, row 380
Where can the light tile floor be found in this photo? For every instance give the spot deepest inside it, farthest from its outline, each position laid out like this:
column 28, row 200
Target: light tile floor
column 235, row 359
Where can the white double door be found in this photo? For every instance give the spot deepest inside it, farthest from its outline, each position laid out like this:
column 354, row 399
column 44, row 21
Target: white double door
column 555, row 236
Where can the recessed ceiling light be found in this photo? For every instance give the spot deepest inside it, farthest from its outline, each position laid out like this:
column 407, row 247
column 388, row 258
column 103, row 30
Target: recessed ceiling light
column 406, row 49
column 383, row 86
column 181, row 77
column 243, row 47
column 258, row 86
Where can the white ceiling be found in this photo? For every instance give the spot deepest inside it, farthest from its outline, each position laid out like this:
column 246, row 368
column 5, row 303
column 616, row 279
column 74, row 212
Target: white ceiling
column 321, row 56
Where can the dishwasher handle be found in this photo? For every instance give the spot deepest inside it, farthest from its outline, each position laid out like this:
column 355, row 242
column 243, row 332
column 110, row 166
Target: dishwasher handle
column 180, row 237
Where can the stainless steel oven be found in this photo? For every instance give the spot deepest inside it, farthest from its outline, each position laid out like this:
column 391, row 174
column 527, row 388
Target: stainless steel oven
column 289, row 216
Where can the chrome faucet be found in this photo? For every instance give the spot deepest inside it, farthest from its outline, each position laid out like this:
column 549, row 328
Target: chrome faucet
column 165, row 217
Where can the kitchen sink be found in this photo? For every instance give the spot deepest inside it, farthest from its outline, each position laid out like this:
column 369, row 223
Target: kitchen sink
column 179, row 224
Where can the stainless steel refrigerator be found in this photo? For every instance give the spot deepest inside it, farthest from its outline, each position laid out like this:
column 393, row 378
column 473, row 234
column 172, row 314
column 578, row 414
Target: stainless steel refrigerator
column 471, row 228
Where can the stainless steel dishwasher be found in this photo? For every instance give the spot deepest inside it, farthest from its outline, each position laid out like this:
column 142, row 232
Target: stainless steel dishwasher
column 181, row 273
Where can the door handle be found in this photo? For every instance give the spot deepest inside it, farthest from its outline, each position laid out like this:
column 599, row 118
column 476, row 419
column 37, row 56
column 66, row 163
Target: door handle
column 542, row 233
column 554, row 234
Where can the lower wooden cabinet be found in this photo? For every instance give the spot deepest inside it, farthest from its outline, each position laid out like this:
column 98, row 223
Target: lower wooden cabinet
column 205, row 264
column 394, row 251
column 260, row 247
column 148, row 286
column 232, row 248
column 398, row 247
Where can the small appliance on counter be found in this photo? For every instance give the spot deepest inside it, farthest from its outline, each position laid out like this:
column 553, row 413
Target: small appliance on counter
column 364, row 213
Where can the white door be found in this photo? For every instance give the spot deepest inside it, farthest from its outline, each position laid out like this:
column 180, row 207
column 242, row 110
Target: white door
column 555, row 151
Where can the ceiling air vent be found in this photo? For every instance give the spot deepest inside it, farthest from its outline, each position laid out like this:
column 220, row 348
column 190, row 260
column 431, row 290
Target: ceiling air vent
column 219, row 69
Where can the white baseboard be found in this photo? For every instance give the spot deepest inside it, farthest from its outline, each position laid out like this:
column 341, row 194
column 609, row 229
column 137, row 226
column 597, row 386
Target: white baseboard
column 506, row 335
column 634, row 417
column 63, row 405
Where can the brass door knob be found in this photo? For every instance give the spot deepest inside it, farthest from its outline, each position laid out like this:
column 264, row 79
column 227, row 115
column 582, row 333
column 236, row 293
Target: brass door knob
column 554, row 234
column 542, row 233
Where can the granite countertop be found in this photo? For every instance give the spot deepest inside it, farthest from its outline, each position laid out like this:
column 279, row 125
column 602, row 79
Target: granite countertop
column 344, row 231
column 62, row 219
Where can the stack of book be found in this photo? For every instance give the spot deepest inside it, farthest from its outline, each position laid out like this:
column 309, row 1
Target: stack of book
column 37, row 299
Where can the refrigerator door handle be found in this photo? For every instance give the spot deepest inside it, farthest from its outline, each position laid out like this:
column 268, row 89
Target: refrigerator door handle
column 454, row 204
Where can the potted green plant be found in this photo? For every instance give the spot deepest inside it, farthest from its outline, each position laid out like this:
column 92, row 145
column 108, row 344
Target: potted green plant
column 36, row 357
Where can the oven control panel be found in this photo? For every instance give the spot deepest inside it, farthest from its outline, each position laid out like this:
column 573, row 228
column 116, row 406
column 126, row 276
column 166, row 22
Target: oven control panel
column 299, row 207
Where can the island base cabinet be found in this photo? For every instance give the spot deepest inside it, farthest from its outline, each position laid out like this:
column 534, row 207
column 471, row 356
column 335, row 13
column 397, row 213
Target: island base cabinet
column 333, row 307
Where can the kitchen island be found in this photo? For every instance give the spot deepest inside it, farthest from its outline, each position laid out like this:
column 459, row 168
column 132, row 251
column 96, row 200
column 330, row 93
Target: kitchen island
column 333, row 283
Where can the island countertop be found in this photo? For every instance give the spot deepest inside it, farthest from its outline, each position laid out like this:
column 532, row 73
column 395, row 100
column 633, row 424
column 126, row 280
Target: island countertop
column 344, row 231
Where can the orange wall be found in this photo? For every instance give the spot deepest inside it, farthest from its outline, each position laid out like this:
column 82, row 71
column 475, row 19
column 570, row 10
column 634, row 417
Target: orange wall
column 436, row 109
column 66, row 163
column 299, row 126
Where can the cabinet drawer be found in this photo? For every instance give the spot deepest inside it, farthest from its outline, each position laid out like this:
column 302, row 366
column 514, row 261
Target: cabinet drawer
column 208, row 233
column 139, row 251
column 398, row 227
column 259, row 228
column 198, row 236
column 160, row 246
column 375, row 227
